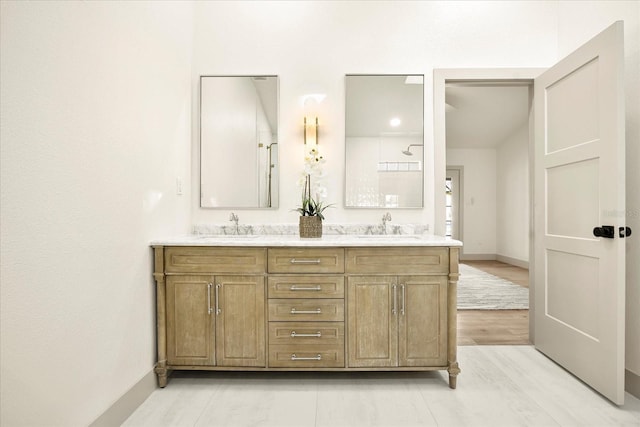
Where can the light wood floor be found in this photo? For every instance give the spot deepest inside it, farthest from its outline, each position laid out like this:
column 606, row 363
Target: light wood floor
column 491, row 327
column 498, row 386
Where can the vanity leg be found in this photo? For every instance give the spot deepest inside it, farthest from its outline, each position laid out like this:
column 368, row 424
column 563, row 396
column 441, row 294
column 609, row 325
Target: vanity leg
column 161, row 315
column 161, row 372
column 452, row 310
column 453, row 370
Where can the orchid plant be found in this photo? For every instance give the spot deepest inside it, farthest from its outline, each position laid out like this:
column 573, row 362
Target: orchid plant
column 313, row 191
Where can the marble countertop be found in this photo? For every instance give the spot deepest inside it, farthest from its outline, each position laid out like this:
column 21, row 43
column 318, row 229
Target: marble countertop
column 340, row 240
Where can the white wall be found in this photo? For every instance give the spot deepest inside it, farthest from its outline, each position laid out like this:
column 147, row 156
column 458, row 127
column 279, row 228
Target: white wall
column 95, row 100
column 479, row 204
column 578, row 21
column 312, row 45
column 512, row 196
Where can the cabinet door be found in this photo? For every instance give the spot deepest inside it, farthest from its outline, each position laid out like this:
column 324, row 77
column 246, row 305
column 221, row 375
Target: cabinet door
column 422, row 320
column 372, row 322
column 240, row 321
column 190, row 325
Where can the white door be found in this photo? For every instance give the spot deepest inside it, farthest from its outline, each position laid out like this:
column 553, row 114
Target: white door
column 579, row 185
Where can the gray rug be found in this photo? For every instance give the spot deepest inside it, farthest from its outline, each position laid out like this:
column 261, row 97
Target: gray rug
column 478, row 290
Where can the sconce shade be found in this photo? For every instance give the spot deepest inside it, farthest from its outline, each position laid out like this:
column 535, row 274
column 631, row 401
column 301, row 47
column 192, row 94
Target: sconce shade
column 311, row 132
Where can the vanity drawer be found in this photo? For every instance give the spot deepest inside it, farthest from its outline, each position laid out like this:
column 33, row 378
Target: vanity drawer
column 306, row 356
column 215, row 260
column 298, row 286
column 300, row 333
column 406, row 260
column 306, row 260
column 319, row 310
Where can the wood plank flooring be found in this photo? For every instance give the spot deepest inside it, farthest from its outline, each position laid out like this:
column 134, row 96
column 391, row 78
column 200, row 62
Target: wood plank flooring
column 498, row 386
column 491, row 327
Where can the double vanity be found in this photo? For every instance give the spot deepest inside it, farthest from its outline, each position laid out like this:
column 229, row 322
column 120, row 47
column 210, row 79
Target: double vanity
column 281, row 303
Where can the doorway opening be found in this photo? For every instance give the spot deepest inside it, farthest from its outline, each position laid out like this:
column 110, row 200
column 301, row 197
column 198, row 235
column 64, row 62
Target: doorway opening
column 485, row 133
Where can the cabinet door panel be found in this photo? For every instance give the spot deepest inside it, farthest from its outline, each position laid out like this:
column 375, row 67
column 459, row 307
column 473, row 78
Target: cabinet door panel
column 422, row 329
column 372, row 327
column 240, row 323
column 190, row 327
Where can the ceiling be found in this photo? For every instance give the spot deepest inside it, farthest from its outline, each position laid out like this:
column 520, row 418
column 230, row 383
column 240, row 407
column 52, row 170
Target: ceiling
column 483, row 115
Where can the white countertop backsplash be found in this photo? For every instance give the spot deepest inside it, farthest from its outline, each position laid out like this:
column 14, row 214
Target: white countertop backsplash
column 283, row 235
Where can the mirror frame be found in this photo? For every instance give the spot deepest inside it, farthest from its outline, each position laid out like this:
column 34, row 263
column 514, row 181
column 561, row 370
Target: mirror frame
column 422, row 183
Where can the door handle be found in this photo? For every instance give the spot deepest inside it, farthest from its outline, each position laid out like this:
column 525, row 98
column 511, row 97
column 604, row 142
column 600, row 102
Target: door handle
column 624, row 232
column 218, row 310
column 606, row 231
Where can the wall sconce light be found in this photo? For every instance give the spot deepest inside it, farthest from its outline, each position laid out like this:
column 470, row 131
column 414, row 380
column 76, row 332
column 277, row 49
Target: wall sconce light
column 311, row 132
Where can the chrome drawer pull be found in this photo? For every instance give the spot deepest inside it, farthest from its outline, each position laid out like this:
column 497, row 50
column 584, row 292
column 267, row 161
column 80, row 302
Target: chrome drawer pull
column 294, row 357
column 304, row 261
column 302, row 288
column 294, row 334
column 316, row 311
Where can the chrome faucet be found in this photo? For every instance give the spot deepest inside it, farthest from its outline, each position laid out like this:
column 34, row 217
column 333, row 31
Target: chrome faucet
column 233, row 217
column 385, row 218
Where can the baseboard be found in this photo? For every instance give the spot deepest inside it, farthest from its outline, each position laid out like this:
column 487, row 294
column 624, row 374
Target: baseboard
column 513, row 261
column 477, row 257
column 128, row 403
column 494, row 257
column 632, row 383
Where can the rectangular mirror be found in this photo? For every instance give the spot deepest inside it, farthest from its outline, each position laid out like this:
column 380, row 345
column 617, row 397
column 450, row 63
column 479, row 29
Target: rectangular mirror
column 384, row 141
column 239, row 142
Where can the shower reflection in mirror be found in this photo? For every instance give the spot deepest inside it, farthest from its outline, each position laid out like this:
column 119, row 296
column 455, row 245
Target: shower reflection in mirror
column 239, row 142
column 384, row 140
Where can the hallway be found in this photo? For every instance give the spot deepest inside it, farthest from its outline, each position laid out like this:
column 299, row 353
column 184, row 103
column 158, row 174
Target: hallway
column 495, row 327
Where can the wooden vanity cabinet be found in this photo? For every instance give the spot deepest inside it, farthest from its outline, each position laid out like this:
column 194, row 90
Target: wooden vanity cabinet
column 215, row 320
column 397, row 321
column 405, row 320
column 210, row 308
column 306, row 308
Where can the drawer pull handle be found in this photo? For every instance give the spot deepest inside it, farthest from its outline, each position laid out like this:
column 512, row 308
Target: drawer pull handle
column 294, row 334
column 316, row 311
column 302, row 288
column 294, row 357
column 304, row 261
